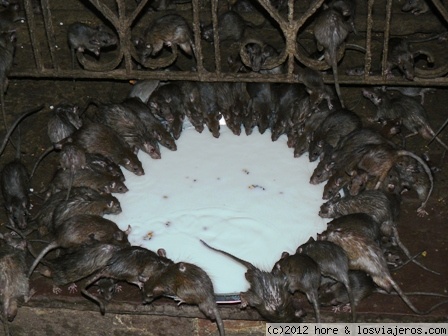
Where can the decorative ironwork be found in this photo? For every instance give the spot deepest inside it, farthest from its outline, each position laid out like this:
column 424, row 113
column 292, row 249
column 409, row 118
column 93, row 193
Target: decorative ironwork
column 124, row 63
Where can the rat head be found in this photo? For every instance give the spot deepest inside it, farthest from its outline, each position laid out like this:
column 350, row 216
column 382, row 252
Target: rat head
column 327, row 210
column 331, row 189
column 18, row 213
column 255, row 52
column 143, row 48
column 358, row 181
column 116, row 186
column 103, row 38
column 316, row 150
column 207, row 33
column 133, row 165
column 406, row 65
column 112, row 205
column 373, row 96
column 323, row 171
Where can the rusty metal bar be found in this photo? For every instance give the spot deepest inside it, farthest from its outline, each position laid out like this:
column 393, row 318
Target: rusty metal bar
column 197, row 38
column 368, row 57
column 217, row 41
column 121, row 67
column 32, row 30
column 48, row 22
column 386, row 38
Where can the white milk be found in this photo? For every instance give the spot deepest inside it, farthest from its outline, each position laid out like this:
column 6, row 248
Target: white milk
column 243, row 194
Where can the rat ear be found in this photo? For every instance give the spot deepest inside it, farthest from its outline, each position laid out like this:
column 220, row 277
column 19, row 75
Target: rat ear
column 311, row 240
column 161, row 252
column 182, row 267
column 284, row 255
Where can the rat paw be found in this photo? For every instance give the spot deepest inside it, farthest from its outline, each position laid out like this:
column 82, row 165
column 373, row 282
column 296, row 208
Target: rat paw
column 118, row 289
column 421, row 212
column 336, row 309
column 57, row 290
column 347, row 308
column 72, row 288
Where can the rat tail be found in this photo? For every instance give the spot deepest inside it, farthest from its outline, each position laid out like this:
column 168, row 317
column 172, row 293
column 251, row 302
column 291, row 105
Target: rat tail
column 241, row 261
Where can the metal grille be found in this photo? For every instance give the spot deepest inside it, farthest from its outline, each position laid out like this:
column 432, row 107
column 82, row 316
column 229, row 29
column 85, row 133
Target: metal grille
column 48, row 62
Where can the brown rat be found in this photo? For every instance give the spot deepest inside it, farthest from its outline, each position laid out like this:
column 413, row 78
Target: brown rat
column 127, row 124
column 167, row 105
column 101, row 139
column 186, row 283
column 416, row 7
column 81, row 37
column 333, row 263
column 335, row 126
column 365, row 254
column 330, row 31
column 303, row 274
column 83, row 229
column 380, row 159
column 289, row 96
column 132, row 264
column 81, row 201
column 13, row 279
column 153, row 126
column 168, row 30
column 268, row 293
column 78, row 264
column 63, row 180
column 410, row 111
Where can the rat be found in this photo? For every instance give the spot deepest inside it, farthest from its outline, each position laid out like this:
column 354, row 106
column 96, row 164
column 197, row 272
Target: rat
column 133, row 264
column 82, row 37
column 380, row 159
column 316, row 88
column 259, row 54
column 288, row 96
column 209, row 107
column 231, row 27
column 13, row 279
column 168, row 30
column 166, row 104
column 364, row 254
column 63, row 180
column 333, row 263
column 334, row 127
column 261, row 106
column 127, row 124
column 102, row 165
column 186, row 283
column 268, row 293
column 330, row 31
column 416, row 7
column 63, row 122
column 83, row 229
column 153, row 126
column 303, row 274
column 191, row 100
column 400, row 56
column 348, row 10
column 15, row 186
column 78, row 264
column 72, row 159
column 82, row 200
column 101, row 139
